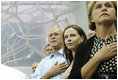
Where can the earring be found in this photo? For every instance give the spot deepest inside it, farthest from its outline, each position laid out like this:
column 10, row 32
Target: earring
column 92, row 20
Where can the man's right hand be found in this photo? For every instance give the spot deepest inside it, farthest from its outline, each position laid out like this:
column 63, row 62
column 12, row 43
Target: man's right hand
column 58, row 68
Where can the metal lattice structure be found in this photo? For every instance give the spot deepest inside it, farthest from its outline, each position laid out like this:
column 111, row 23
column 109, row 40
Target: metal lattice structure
column 25, row 26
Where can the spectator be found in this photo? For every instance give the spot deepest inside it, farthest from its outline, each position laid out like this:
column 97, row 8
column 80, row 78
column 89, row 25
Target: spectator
column 34, row 65
column 53, row 65
column 97, row 57
column 73, row 35
column 48, row 50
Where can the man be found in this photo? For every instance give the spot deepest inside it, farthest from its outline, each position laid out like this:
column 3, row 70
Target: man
column 48, row 50
column 53, row 65
column 34, row 65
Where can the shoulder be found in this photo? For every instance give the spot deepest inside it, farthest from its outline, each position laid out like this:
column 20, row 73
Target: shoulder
column 42, row 61
column 85, row 46
column 45, row 58
column 87, row 43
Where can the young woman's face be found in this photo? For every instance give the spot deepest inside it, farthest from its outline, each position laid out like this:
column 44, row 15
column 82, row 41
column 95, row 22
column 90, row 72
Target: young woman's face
column 103, row 11
column 72, row 38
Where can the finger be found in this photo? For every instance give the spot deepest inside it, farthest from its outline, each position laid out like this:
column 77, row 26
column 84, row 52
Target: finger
column 56, row 63
column 113, row 44
column 104, row 45
column 113, row 47
column 63, row 70
column 64, row 67
column 62, row 63
column 115, row 51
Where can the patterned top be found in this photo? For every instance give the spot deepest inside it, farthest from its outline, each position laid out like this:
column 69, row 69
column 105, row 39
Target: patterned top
column 109, row 66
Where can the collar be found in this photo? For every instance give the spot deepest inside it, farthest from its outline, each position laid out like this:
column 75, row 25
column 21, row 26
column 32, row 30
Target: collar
column 112, row 36
column 59, row 52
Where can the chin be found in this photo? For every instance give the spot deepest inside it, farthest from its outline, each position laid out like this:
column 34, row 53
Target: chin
column 54, row 45
column 70, row 48
column 105, row 20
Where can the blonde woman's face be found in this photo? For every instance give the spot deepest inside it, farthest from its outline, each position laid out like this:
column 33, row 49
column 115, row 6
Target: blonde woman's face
column 103, row 11
column 72, row 38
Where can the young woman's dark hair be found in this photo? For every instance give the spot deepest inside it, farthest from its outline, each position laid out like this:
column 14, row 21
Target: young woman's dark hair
column 67, row 52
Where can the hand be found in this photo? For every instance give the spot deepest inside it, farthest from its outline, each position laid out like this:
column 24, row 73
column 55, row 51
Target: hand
column 57, row 69
column 107, row 52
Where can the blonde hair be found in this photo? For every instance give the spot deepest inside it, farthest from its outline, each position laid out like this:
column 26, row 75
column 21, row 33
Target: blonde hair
column 90, row 8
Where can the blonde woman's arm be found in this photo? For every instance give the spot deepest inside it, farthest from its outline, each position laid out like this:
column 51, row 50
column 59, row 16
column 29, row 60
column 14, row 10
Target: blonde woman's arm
column 105, row 53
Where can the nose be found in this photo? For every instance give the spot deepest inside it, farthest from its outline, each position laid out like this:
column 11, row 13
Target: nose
column 53, row 37
column 49, row 51
column 69, row 39
column 104, row 8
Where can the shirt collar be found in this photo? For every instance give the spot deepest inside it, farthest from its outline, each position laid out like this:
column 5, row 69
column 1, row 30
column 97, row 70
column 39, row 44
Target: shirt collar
column 59, row 52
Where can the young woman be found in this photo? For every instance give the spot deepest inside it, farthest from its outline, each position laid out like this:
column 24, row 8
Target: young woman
column 73, row 35
column 97, row 57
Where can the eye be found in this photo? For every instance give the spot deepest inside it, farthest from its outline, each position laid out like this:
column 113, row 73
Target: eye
column 65, row 37
column 50, row 35
column 56, row 34
column 47, row 49
column 72, row 35
column 98, row 6
column 108, row 5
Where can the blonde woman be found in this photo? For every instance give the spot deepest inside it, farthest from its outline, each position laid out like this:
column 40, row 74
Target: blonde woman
column 97, row 57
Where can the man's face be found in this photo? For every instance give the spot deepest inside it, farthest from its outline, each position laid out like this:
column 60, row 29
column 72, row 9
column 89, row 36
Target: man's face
column 34, row 67
column 48, row 50
column 55, row 38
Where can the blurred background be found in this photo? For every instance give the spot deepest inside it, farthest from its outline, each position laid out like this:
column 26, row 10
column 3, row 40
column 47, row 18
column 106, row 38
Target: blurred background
column 25, row 26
